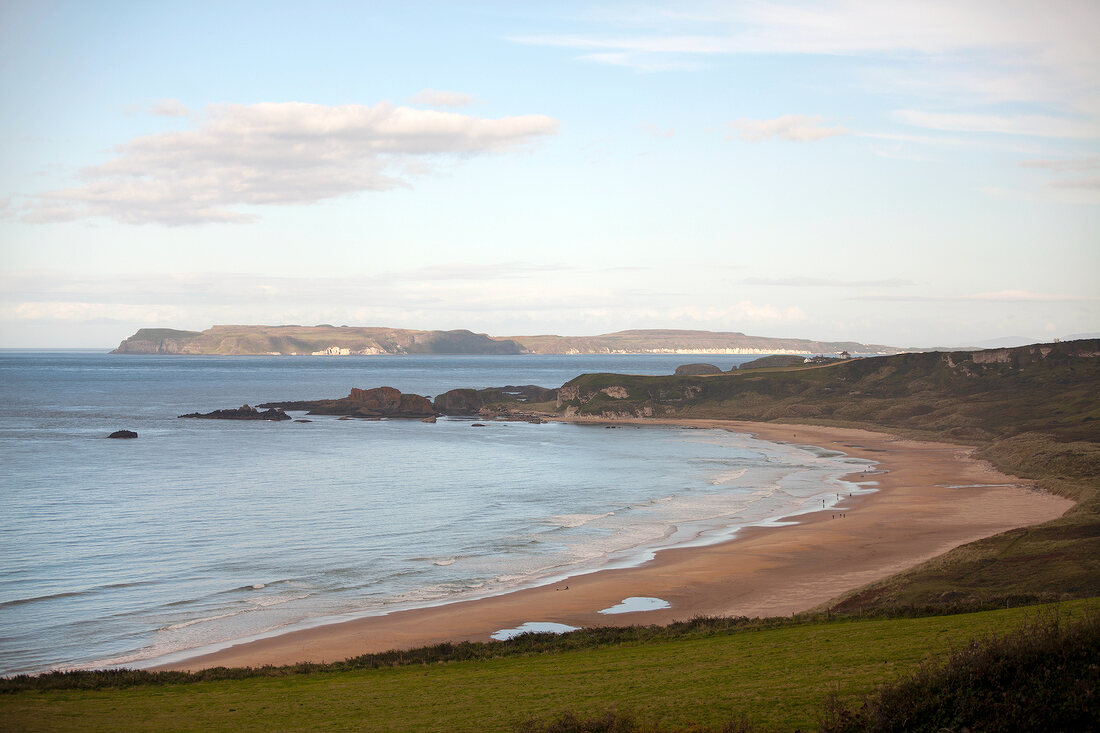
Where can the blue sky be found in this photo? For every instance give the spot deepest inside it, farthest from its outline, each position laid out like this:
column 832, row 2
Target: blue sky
column 914, row 174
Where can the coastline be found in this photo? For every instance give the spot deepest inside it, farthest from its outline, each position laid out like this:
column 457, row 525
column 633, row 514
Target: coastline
column 931, row 497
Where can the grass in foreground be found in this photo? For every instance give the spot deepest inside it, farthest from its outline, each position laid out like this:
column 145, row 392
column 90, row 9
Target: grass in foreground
column 779, row 677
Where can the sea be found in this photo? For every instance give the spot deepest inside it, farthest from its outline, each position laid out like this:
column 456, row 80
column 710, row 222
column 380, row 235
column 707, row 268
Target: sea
column 203, row 533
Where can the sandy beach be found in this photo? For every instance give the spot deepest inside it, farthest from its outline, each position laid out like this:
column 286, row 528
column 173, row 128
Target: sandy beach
column 932, row 497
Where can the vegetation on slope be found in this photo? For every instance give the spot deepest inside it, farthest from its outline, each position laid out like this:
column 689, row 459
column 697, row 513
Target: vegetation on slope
column 963, row 395
column 781, row 675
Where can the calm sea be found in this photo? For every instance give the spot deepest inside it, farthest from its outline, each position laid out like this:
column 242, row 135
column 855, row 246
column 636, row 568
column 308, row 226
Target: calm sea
column 199, row 533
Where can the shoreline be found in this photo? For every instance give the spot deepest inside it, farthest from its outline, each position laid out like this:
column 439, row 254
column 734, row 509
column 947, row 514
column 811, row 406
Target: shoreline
column 930, row 498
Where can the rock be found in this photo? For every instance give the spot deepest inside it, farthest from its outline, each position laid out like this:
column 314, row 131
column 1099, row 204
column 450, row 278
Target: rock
column 123, row 434
column 499, row 400
column 477, row 425
column 694, row 370
column 429, row 419
column 244, row 412
column 303, row 420
column 377, row 402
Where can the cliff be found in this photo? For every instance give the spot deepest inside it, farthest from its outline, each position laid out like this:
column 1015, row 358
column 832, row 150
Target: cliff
column 312, row 340
column 158, row 341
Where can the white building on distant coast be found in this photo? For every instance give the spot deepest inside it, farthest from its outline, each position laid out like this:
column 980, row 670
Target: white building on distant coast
column 333, row 351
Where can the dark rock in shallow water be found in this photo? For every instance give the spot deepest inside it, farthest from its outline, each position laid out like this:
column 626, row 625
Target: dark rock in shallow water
column 244, row 412
column 303, row 420
column 377, row 402
column 477, row 425
column 123, row 434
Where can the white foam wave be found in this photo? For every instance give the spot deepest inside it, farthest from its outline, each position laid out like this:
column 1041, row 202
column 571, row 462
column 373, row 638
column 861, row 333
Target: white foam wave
column 729, row 477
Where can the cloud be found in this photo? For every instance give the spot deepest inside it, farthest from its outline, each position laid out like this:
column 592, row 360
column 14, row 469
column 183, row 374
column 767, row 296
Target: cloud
column 276, row 154
column 1071, row 164
column 1001, row 296
column 817, row 282
column 1086, row 183
column 958, row 54
column 796, row 128
column 661, row 132
column 1031, row 125
column 438, row 98
column 169, row 108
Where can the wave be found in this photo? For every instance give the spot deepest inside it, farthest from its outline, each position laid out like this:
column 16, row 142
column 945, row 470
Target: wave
column 570, row 521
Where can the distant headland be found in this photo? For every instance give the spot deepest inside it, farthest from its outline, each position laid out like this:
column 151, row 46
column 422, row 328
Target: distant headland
column 327, row 340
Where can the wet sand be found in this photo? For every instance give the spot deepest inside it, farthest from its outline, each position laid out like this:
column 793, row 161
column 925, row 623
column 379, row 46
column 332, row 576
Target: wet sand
column 932, row 497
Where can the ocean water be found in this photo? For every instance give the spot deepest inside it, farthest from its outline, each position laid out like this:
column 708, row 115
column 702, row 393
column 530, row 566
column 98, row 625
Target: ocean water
column 200, row 533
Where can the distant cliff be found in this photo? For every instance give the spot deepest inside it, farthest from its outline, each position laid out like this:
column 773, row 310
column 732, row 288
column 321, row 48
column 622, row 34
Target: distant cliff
column 316, row 340
column 670, row 341
column 348, row 341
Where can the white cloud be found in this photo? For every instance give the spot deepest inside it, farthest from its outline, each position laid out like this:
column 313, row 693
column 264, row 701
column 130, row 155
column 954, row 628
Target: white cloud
column 662, row 132
column 438, row 98
column 796, row 128
column 1031, row 125
column 1068, row 164
column 817, row 282
column 958, row 53
column 169, row 108
column 275, row 153
column 1086, row 183
column 1000, row 296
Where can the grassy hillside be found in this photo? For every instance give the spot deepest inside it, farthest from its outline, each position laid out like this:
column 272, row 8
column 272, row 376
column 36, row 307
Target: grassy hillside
column 780, row 677
column 964, row 395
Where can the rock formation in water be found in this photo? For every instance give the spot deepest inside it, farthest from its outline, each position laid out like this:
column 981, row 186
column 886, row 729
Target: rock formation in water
column 244, row 412
column 123, row 434
column 494, row 400
column 377, row 402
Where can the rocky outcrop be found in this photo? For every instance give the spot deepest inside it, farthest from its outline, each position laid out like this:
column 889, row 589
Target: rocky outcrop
column 495, row 400
column 377, row 402
column 695, row 370
column 244, row 412
column 124, row 434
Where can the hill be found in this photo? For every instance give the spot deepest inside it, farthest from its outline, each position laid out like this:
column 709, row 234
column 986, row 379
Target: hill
column 978, row 395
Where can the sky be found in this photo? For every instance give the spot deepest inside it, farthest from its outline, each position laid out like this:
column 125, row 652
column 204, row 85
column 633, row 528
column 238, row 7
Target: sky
column 919, row 173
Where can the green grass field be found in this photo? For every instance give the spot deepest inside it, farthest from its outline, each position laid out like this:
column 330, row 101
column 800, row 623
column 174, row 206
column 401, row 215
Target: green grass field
column 778, row 677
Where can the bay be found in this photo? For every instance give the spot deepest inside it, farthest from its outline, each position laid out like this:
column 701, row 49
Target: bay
column 200, row 533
